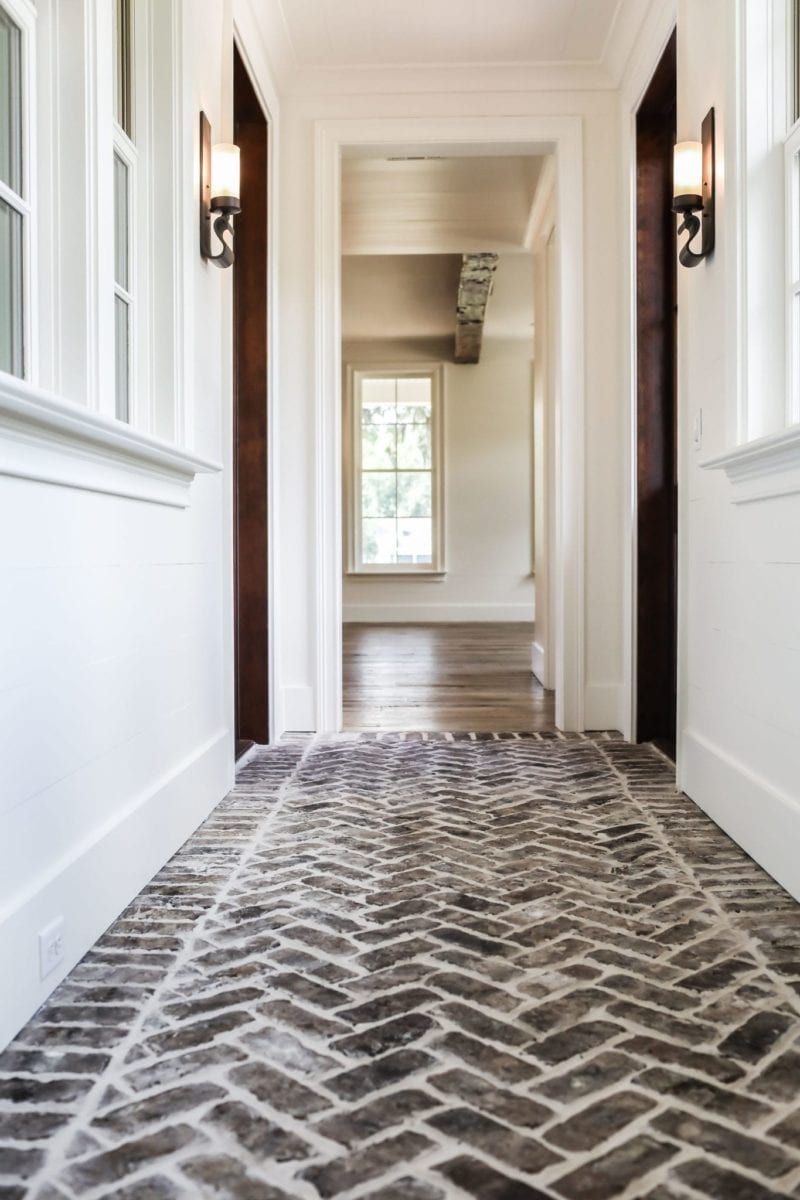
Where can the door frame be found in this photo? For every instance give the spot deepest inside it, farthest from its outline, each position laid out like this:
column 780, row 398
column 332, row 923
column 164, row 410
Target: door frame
column 558, row 135
column 248, row 38
column 635, row 85
column 656, row 411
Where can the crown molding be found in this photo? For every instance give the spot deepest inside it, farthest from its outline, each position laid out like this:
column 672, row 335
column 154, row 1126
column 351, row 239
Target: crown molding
column 451, row 78
column 636, row 43
column 296, row 79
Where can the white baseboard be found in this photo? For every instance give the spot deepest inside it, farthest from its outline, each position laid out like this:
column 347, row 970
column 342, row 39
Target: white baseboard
column 602, row 706
column 762, row 820
column 433, row 613
column 91, row 886
column 538, row 663
column 299, row 715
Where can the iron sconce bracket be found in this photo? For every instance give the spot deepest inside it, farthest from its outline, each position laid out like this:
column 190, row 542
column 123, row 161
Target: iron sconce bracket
column 698, row 211
column 216, row 212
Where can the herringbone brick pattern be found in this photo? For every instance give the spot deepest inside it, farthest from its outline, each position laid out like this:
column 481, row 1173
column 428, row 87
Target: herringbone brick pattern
column 418, row 968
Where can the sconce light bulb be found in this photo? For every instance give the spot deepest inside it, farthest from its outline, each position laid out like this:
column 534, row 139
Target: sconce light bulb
column 687, row 175
column 225, row 174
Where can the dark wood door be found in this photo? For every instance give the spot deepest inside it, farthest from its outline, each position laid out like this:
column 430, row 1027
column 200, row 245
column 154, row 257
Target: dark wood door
column 250, row 430
column 656, row 277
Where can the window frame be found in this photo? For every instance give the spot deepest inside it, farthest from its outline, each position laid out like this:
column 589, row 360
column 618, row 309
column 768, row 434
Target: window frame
column 791, row 166
column 23, row 14
column 355, row 566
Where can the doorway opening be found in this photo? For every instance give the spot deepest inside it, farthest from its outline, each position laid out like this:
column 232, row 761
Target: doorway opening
column 656, row 412
column 439, row 595
column 250, row 431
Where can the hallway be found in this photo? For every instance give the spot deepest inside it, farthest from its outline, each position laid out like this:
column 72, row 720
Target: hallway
column 474, row 677
column 425, row 967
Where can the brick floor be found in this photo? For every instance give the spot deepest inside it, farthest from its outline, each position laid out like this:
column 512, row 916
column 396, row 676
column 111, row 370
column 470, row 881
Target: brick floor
column 418, row 967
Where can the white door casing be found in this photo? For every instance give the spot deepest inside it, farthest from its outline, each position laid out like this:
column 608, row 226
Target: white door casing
column 561, row 136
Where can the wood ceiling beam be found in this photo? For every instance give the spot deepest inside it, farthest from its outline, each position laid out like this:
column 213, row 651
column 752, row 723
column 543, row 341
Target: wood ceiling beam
column 474, row 289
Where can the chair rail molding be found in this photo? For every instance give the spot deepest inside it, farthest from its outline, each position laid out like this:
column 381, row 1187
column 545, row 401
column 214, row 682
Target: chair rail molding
column 47, row 439
column 762, row 469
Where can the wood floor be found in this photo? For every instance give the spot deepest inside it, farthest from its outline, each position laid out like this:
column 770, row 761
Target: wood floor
column 456, row 678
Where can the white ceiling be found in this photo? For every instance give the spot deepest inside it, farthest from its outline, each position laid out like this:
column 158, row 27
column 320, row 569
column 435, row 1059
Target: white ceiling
column 374, row 33
column 437, row 206
column 405, row 226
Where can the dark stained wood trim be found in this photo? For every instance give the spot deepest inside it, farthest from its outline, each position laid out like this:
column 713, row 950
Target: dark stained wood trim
column 250, row 417
column 656, row 331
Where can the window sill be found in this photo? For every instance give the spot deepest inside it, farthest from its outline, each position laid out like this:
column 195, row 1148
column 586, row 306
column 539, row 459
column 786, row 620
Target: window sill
column 762, row 469
column 51, row 440
column 382, row 576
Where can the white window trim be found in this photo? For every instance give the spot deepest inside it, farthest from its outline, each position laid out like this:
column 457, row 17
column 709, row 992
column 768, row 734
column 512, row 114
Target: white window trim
column 765, row 462
column 791, row 151
column 57, row 425
column 352, row 473
column 23, row 13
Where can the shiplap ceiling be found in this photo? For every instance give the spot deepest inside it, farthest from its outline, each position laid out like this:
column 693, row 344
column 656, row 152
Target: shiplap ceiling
column 437, row 206
column 392, row 33
column 405, row 226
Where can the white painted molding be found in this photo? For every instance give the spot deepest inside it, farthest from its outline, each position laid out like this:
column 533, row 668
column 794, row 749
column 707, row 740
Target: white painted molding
column 757, row 815
column 636, row 44
column 119, row 859
column 298, row 709
column 762, row 469
column 463, row 78
column 562, row 135
column 539, row 662
column 410, row 614
column 604, row 705
column 51, row 440
column 540, row 218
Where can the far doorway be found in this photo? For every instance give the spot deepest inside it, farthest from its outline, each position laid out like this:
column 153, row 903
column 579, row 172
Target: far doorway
column 439, row 595
column 656, row 411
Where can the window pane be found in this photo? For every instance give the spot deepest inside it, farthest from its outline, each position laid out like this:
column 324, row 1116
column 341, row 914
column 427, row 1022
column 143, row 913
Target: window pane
column 413, row 446
column 378, row 541
column 378, row 494
column 11, row 299
column 10, row 103
column 123, row 357
column 121, row 222
column 123, row 65
column 378, row 447
column 378, row 398
column 414, row 399
column 414, row 494
column 414, row 540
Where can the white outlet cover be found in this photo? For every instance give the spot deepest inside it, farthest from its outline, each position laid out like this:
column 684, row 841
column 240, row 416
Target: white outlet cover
column 51, row 947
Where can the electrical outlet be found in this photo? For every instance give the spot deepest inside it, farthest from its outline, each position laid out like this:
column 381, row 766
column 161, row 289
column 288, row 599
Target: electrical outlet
column 51, row 947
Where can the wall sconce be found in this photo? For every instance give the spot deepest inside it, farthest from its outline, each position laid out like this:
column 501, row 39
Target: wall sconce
column 693, row 193
column 219, row 194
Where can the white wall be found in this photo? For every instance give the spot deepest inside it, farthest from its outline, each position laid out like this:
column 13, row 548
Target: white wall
column 605, row 472
column 740, row 563
column 116, row 643
column 488, row 502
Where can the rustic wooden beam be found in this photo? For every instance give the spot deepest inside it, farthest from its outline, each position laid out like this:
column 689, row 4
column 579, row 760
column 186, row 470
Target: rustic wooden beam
column 474, row 289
